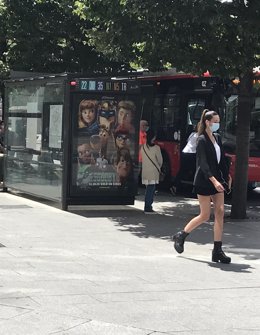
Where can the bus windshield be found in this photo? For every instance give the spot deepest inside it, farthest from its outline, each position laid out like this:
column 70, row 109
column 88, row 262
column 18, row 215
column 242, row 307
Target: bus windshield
column 230, row 126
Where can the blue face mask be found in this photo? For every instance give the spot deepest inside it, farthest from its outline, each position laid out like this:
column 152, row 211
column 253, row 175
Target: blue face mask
column 214, row 127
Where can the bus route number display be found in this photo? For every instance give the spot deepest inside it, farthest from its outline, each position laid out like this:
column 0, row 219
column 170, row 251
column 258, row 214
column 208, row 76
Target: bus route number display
column 102, row 86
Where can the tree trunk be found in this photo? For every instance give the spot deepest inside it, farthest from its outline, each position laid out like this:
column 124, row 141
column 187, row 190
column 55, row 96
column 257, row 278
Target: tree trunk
column 245, row 100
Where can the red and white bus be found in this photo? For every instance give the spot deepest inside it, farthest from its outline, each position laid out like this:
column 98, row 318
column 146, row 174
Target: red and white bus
column 172, row 103
column 229, row 127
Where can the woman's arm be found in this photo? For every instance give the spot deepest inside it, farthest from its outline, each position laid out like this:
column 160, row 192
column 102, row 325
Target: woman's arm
column 203, row 163
column 202, row 157
column 218, row 186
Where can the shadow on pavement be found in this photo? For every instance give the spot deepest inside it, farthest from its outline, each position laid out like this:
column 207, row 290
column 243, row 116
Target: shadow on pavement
column 232, row 267
column 240, row 237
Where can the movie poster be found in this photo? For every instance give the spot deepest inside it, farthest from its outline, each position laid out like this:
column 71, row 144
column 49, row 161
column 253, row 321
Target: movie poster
column 104, row 144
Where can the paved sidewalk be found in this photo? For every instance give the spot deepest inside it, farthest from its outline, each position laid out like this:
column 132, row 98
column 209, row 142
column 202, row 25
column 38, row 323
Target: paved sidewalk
column 115, row 272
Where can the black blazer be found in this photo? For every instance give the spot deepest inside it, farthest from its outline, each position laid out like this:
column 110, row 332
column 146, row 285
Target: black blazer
column 207, row 164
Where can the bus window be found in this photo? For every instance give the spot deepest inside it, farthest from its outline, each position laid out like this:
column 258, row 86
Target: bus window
column 166, row 116
column 156, row 115
column 230, row 126
column 170, row 109
column 231, row 115
column 195, row 108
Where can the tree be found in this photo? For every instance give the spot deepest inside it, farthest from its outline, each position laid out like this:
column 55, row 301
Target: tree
column 193, row 36
column 48, row 36
column 3, row 42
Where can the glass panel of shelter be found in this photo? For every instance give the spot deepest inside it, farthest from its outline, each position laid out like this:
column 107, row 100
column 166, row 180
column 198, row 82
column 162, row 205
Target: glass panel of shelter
column 32, row 166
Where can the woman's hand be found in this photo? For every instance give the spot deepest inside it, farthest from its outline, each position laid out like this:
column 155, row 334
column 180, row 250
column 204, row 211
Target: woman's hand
column 218, row 186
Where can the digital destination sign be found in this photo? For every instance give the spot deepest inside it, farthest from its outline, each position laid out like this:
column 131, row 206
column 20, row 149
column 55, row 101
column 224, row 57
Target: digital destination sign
column 97, row 85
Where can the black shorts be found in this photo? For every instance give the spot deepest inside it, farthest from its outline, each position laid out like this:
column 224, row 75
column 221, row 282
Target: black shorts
column 204, row 190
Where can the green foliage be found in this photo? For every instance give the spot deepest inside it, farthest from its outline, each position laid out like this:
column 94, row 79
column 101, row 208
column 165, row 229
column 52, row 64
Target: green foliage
column 192, row 35
column 3, row 45
column 48, row 36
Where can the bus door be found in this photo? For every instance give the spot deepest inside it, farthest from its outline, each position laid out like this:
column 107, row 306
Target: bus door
column 166, row 121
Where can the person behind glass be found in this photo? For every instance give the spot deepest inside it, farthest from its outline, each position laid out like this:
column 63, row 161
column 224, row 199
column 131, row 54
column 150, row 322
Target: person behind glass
column 211, row 174
column 151, row 165
column 188, row 161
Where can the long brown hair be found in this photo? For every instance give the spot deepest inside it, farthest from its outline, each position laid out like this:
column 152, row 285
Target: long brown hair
column 206, row 115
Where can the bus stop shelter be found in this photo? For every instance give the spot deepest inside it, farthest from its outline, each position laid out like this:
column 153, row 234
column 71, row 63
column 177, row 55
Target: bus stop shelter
column 72, row 139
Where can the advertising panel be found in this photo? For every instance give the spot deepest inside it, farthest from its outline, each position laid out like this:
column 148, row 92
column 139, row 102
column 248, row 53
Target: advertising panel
column 105, row 141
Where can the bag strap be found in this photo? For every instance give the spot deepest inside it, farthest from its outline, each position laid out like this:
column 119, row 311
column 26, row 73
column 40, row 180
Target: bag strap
column 151, row 160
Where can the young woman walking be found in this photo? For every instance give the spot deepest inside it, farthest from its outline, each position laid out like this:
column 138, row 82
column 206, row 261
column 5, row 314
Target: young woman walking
column 210, row 181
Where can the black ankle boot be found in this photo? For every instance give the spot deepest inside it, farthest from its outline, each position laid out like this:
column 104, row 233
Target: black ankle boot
column 218, row 254
column 179, row 239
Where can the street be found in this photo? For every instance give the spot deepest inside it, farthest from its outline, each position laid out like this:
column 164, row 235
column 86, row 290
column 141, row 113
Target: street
column 113, row 271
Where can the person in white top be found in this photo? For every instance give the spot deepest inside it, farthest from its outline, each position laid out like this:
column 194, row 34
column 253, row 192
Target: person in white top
column 190, row 147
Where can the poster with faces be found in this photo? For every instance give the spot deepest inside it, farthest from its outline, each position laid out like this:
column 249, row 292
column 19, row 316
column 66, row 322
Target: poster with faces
column 104, row 143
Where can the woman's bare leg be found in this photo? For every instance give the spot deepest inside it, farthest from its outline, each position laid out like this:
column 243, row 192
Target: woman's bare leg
column 218, row 201
column 179, row 238
column 218, row 254
column 205, row 205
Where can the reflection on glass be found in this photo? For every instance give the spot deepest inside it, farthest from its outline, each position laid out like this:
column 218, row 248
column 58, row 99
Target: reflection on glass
column 34, row 143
